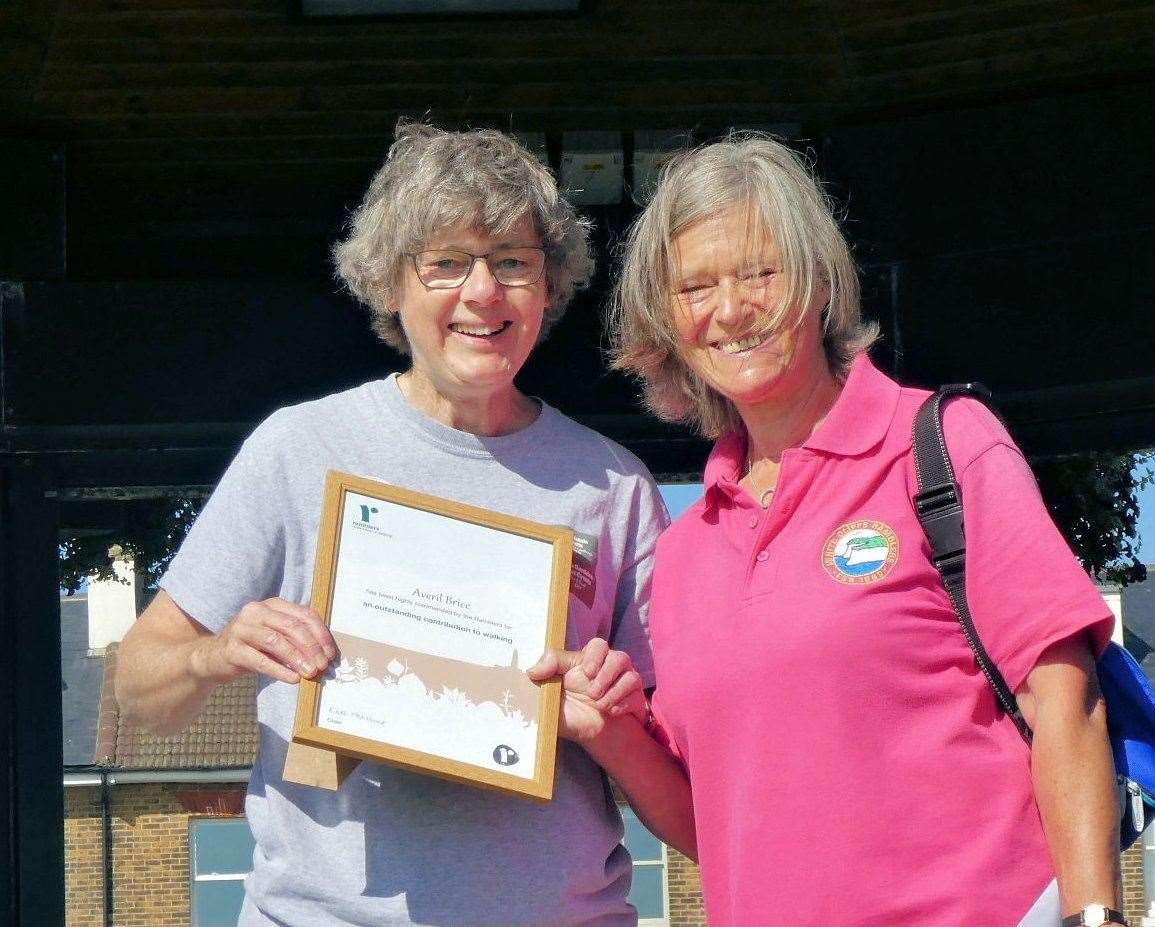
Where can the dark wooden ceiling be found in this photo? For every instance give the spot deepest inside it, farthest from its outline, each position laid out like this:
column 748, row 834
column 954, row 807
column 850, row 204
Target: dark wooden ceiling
column 187, row 119
column 212, row 81
column 205, row 152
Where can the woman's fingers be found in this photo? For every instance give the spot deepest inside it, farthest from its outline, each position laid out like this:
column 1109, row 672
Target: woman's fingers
column 598, row 683
column 259, row 662
column 238, row 650
column 594, row 656
column 614, row 665
column 553, row 663
column 625, row 692
column 635, row 704
column 307, row 634
column 310, row 631
column 603, row 679
column 545, row 668
column 280, row 639
column 589, row 660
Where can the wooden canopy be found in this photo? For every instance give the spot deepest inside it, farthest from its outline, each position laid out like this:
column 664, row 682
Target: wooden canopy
column 175, row 172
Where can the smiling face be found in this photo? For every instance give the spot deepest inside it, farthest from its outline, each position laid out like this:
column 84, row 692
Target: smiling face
column 469, row 342
column 728, row 284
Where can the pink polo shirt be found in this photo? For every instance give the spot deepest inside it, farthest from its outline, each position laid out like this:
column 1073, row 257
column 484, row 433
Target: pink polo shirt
column 847, row 758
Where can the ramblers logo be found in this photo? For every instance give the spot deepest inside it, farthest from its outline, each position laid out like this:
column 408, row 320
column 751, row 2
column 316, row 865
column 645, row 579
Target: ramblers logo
column 364, row 518
column 860, row 552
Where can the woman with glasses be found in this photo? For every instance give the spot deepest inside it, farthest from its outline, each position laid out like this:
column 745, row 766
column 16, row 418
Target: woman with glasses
column 466, row 255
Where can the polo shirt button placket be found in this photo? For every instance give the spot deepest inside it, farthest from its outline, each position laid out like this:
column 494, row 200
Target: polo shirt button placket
column 763, row 556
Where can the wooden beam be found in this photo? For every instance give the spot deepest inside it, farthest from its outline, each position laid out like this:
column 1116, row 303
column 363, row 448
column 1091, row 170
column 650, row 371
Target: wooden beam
column 32, row 856
column 905, row 21
column 657, row 113
column 1112, row 40
column 69, row 76
column 562, row 94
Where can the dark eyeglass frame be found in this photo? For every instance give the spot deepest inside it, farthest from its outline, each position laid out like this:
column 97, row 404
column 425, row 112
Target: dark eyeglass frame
column 473, row 259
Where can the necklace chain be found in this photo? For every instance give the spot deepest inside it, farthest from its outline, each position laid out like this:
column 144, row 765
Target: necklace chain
column 763, row 497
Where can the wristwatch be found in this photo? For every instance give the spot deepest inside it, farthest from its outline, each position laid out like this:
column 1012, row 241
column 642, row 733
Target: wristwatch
column 1094, row 915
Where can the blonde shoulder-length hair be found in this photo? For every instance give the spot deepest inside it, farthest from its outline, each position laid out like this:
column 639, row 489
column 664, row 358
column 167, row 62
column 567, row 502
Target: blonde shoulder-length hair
column 762, row 175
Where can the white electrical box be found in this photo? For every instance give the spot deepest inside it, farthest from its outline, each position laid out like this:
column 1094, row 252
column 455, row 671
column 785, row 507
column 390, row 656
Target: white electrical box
column 592, row 168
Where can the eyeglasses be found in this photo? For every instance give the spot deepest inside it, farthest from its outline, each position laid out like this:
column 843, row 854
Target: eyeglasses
column 442, row 269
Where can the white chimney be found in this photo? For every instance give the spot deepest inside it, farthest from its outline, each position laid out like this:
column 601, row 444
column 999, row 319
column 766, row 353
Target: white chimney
column 1113, row 596
column 113, row 604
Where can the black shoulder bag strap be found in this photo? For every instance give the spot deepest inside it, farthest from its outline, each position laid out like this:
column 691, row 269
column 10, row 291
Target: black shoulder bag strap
column 938, row 505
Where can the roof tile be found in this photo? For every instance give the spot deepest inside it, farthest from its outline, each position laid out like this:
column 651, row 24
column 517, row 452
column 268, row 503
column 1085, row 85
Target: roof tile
column 223, row 735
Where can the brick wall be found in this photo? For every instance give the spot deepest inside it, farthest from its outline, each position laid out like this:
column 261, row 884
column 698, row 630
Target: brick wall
column 151, row 866
column 685, row 891
column 83, row 858
column 149, row 851
column 150, row 857
column 1133, row 905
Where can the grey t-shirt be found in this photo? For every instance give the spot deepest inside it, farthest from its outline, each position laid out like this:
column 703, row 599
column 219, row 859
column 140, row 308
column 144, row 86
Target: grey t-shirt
column 392, row 847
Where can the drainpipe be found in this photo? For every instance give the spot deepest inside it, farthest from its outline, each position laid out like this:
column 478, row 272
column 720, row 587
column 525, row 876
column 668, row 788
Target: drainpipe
column 106, row 827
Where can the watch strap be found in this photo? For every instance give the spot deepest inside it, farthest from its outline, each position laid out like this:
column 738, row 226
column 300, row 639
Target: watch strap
column 1099, row 914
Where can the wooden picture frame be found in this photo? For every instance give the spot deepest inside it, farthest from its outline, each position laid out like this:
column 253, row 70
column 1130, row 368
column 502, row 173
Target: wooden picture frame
column 420, row 593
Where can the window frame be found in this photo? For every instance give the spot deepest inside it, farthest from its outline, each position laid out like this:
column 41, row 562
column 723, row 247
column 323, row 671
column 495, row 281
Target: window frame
column 663, row 861
column 195, row 823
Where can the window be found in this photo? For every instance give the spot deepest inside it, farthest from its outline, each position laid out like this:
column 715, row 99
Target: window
column 649, row 892
column 220, row 856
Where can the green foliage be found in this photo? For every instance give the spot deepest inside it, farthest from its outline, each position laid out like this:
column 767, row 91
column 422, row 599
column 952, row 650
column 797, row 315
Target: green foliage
column 150, row 533
column 1093, row 499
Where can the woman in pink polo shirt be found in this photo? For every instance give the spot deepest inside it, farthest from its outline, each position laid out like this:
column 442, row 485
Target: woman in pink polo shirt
column 847, row 761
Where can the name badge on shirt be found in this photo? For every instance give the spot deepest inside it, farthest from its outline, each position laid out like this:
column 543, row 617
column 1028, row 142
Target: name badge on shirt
column 583, row 572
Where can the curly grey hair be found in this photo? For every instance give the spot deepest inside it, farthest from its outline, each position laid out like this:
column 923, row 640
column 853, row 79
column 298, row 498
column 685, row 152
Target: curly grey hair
column 759, row 173
column 433, row 180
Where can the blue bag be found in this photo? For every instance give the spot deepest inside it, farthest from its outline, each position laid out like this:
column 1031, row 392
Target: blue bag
column 1126, row 690
column 1131, row 726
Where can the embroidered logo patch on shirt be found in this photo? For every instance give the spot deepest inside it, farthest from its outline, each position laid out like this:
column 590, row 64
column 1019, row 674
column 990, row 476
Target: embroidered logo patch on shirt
column 860, row 552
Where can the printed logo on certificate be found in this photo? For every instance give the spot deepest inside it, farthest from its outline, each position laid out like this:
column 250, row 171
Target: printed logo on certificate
column 437, row 609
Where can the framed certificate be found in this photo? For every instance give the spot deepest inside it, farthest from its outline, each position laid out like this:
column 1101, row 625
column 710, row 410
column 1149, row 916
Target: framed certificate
column 437, row 609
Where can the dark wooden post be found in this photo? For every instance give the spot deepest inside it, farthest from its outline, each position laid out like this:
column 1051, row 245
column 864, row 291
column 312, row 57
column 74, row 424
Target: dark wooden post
column 32, row 247
column 31, row 786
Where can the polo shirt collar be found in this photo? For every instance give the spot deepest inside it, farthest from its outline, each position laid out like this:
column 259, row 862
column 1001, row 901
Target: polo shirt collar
column 862, row 413
column 857, row 423
column 725, row 463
